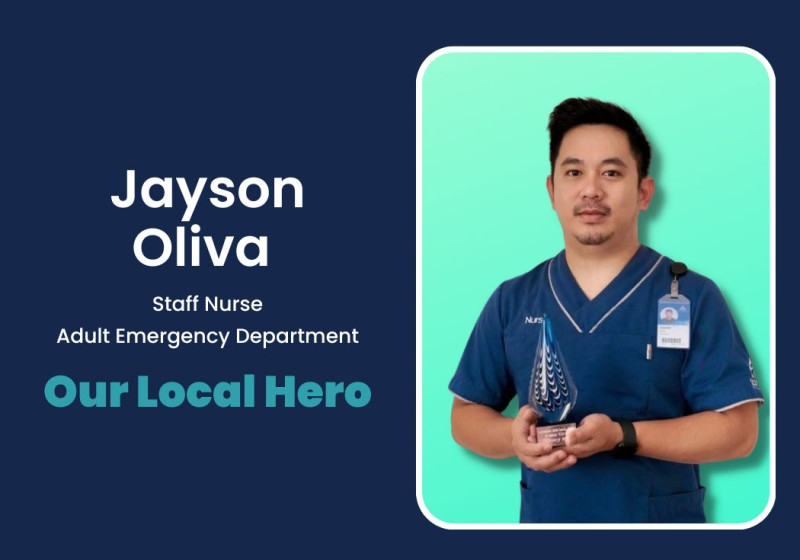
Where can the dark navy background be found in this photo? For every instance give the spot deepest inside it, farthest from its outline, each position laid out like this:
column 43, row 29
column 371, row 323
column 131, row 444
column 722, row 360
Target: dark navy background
column 325, row 94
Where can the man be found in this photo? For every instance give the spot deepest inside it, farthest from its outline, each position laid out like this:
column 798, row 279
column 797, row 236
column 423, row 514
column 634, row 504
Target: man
column 647, row 413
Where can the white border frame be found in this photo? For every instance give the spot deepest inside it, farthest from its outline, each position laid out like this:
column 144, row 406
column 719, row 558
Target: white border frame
column 772, row 358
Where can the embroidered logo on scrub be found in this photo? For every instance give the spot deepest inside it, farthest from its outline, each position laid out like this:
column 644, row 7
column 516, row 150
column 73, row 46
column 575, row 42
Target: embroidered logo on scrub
column 533, row 320
column 753, row 380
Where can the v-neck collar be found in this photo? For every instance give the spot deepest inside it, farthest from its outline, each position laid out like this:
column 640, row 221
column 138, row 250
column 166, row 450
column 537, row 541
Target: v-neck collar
column 585, row 314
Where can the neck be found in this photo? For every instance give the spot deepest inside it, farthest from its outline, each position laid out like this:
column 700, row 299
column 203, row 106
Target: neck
column 595, row 266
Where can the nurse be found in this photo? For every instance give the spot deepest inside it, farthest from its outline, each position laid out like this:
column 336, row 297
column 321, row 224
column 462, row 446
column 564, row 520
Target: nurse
column 659, row 391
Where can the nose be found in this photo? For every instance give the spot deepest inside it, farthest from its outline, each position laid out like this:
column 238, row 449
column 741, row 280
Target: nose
column 591, row 188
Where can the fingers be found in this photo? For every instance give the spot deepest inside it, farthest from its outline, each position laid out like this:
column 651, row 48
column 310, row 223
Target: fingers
column 527, row 415
column 521, row 426
column 542, row 456
column 580, row 441
column 533, row 454
column 529, row 450
column 576, row 436
column 523, row 439
column 590, row 437
column 551, row 462
column 571, row 437
column 581, row 451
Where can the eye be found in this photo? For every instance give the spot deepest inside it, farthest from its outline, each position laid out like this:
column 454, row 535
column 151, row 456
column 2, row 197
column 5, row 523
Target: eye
column 573, row 173
column 612, row 173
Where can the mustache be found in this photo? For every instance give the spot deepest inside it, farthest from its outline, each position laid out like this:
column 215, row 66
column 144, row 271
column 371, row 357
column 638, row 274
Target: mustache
column 591, row 207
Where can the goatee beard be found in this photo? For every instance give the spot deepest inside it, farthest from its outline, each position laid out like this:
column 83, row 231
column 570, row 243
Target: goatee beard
column 593, row 238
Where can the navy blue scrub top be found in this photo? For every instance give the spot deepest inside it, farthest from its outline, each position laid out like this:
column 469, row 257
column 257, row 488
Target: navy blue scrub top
column 604, row 343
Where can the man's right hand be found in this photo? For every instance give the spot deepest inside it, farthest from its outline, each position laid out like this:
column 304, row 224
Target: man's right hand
column 534, row 455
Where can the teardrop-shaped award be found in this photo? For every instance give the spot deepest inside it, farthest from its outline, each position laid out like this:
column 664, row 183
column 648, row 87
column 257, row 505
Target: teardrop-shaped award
column 552, row 391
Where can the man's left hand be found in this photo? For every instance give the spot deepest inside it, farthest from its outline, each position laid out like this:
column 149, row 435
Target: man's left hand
column 595, row 433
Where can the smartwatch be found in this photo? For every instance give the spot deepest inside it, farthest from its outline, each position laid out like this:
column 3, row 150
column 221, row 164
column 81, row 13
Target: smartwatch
column 628, row 446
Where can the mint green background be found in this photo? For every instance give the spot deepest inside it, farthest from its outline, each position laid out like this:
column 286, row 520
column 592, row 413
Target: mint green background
column 486, row 218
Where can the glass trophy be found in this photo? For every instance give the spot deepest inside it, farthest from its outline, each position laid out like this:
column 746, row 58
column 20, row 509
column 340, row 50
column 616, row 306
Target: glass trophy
column 552, row 391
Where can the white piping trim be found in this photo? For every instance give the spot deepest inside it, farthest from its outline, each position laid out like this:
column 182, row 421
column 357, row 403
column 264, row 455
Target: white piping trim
column 738, row 404
column 558, row 301
column 459, row 397
column 626, row 296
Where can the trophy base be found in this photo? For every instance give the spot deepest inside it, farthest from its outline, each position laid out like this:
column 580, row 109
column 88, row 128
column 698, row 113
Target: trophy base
column 555, row 434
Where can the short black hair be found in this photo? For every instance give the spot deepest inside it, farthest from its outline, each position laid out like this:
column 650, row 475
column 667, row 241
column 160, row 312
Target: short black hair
column 577, row 111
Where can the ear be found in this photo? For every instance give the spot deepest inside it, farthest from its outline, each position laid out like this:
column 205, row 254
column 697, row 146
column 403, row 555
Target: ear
column 550, row 189
column 647, row 188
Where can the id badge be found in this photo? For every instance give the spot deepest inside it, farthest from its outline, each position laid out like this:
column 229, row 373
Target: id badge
column 674, row 318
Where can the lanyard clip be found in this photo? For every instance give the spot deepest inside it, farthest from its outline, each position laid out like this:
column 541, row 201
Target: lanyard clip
column 677, row 269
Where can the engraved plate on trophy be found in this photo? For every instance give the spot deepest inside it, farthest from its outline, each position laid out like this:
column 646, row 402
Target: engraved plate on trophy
column 552, row 391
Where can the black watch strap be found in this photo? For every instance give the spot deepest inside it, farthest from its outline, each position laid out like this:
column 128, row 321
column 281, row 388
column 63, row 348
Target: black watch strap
column 628, row 446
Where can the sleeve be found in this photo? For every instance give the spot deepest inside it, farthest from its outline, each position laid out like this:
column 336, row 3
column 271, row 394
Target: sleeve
column 482, row 375
column 717, row 373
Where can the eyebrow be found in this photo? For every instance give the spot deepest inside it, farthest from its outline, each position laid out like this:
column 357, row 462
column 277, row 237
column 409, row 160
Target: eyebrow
column 607, row 161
